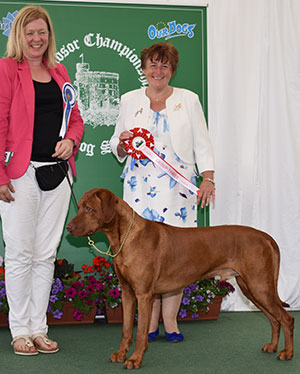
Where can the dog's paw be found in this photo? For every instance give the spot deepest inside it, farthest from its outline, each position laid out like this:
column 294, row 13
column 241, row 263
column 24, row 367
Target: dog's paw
column 285, row 355
column 269, row 348
column 132, row 364
column 117, row 357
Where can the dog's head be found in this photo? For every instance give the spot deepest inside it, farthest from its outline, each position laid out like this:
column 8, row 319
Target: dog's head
column 96, row 209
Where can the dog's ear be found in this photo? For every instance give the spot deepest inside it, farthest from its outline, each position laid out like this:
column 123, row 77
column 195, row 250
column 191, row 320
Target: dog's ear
column 108, row 201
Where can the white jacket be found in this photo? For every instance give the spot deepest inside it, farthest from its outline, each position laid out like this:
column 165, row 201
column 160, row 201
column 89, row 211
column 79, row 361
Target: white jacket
column 188, row 130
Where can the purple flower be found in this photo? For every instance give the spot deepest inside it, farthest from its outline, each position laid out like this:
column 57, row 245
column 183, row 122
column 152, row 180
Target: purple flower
column 182, row 313
column 193, row 287
column 53, row 298
column 2, row 292
column 195, row 315
column 199, row 298
column 57, row 286
column 2, row 283
column 187, row 291
column 55, row 289
column 185, row 301
column 57, row 314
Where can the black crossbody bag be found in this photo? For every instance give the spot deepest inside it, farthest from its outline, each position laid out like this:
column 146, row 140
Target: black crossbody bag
column 50, row 176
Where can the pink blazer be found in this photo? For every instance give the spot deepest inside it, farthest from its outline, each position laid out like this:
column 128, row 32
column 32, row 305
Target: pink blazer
column 17, row 116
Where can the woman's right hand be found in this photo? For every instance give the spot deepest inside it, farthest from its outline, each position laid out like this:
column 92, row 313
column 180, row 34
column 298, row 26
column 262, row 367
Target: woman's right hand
column 5, row 192
column 125, row 135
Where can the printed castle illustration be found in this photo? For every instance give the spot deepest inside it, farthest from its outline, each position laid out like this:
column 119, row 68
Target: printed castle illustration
column 97, row 95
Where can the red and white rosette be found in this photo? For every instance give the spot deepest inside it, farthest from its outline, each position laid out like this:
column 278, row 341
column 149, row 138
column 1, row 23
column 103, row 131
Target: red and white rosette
column 141, row 145
column 141, row 138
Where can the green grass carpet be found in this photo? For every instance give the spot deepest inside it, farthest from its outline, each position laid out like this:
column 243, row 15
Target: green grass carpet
column 230, row 345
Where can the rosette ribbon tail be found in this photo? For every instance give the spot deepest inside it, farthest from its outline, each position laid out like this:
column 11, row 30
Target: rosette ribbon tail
column 141, row 145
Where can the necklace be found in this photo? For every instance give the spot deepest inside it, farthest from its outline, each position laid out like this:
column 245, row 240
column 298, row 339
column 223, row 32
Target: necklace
column 162, row 98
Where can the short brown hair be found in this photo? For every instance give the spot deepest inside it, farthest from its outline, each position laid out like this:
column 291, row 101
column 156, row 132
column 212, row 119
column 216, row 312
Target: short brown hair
column 26, row 15
column 164, row 52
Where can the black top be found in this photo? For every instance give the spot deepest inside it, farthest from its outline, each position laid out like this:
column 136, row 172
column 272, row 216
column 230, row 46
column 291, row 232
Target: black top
column 47, row 120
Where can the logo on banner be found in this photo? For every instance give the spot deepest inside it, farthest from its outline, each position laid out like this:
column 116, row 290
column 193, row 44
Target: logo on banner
column 6, row 23
column 170, row 30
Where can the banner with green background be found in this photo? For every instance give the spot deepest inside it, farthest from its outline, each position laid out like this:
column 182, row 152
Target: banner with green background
column 100, row 45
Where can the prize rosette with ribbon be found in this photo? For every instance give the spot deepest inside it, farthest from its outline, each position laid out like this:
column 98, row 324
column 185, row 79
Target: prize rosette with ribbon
column 141, row 138
column 69, row 97
column 141, row 145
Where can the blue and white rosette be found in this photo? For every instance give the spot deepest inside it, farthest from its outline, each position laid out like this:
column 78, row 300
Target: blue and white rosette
column 69, row 97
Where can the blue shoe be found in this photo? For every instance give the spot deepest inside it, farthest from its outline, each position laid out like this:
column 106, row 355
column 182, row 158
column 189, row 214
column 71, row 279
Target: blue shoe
column 152, row 335
column 174, row 337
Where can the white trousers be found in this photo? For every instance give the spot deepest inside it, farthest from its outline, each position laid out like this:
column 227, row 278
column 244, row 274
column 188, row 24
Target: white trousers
column 32, row 226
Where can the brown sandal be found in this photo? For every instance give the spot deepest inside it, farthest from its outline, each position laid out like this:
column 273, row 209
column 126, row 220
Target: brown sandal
column 28, row 343
column 48, row 342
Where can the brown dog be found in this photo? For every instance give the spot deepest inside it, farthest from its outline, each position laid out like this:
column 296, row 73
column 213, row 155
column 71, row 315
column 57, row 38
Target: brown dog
column 157, row 258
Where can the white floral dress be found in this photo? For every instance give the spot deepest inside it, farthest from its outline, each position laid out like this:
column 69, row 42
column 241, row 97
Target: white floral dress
column 151, row 192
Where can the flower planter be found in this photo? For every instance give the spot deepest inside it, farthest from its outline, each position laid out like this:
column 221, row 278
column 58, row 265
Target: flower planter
column 114, row 315
column 68, row 319
column 3, row 319
column 212, row 314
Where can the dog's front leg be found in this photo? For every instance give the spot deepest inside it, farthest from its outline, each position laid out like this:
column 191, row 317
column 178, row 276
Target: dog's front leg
column 129, row 308
column 144, row 314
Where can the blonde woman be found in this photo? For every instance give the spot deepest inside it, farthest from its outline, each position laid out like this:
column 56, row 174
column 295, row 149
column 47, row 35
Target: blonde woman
column 31, row 112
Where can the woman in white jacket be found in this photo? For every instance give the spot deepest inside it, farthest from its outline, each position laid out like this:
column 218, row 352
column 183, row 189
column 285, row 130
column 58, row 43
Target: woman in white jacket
column 175, row 118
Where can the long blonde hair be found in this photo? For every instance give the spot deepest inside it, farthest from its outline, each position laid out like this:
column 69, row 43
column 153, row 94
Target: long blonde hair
column 15, row 41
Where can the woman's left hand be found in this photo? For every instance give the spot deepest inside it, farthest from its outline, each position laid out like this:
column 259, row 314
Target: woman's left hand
column 206, row 193
column 64, row 149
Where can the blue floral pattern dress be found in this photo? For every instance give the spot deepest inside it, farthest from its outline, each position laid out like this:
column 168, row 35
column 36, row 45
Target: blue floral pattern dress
column 151, row 192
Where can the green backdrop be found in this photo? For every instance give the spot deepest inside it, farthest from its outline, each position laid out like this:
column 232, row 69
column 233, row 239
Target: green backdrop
column 100, row 46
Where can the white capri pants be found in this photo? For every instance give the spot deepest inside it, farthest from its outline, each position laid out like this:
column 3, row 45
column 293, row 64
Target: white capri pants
column 32, row 227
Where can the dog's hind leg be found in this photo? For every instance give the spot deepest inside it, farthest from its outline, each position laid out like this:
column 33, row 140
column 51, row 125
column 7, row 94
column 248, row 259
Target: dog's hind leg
column 129, row 308
column 269, row 303
column 145, row 302
column 269, row 347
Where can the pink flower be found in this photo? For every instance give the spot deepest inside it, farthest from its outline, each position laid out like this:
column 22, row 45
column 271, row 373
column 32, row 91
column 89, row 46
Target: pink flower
column 82, row 294
column 77, row 285
column 100, row 287
column 77, row 315
column 114, row 293
column 70, row 292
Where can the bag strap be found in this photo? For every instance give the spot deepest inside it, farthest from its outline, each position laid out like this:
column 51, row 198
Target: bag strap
column 70, row 184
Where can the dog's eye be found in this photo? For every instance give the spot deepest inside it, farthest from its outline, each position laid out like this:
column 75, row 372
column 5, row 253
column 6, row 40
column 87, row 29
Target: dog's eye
column 88, row 209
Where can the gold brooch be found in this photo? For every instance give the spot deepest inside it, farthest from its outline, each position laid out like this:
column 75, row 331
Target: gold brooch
column 139, row 112
column 177, row 107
